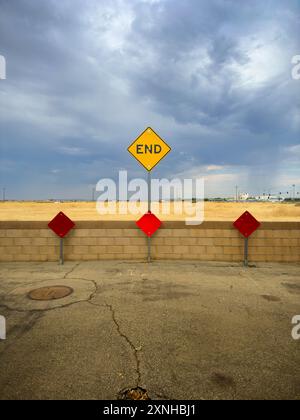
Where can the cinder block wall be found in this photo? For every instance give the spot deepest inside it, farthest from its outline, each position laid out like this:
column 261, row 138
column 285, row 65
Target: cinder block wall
column 90, row 241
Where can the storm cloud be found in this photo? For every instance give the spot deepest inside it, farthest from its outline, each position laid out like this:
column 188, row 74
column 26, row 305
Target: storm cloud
column 84, row 79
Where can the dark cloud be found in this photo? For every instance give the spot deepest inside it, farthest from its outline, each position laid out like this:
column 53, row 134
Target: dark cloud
column 84, row 78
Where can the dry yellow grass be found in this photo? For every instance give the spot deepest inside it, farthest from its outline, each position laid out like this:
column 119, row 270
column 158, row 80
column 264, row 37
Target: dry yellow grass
column 45, row 211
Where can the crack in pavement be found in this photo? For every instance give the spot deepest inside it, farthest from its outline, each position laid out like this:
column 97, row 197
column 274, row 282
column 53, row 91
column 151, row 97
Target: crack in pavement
column 88, row 300
column 94, row 292
column 121, row 334
column 118, row 328
column 125, row 337
column 37, row 282
column 34, row 315
column 71, row 271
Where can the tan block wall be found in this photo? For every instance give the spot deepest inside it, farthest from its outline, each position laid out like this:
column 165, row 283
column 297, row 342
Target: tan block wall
column 91, row 241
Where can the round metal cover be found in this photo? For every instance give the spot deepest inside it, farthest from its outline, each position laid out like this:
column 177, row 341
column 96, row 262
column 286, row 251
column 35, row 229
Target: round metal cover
column 50, row 293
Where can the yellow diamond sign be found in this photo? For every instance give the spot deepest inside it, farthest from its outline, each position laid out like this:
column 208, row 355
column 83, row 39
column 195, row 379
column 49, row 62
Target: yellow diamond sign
column 149, row 149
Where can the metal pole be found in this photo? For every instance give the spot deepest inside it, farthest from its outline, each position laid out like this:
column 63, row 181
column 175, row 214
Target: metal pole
column 294, row 192
column 62, row 251
column 149, row 210
column 4, row 191
column 246, row 260
column 149, row 191
column 149, row 249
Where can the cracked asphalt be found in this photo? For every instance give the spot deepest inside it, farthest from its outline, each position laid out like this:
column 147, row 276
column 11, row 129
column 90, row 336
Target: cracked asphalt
column 181, row 330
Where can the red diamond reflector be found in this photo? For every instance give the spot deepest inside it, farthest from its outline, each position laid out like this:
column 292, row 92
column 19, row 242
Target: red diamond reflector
column 149, row 224
column 246, row 224
column 61, row 225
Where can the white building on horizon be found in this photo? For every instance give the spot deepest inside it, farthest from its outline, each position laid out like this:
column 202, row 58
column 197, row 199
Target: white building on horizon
column 269, row 198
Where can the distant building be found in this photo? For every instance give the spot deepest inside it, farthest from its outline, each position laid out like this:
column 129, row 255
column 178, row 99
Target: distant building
column 269, row 198
column 244, row 197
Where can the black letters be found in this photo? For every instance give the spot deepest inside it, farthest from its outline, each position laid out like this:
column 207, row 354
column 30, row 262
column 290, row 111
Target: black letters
column 142, row 149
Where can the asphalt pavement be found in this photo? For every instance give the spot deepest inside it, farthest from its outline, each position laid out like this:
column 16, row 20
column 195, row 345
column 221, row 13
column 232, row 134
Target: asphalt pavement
column 179, row 330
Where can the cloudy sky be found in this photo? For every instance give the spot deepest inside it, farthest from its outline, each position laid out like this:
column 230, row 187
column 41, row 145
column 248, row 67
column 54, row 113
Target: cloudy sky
column 85, row 77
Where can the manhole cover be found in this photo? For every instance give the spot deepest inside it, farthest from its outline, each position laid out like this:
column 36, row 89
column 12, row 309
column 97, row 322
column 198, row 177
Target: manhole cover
column 50, row 293
column 134, row 394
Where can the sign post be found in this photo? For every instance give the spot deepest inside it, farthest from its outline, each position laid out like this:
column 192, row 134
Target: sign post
column 61, row 226
column 246, row 224
column 62, row 251
column 149, row 211
column 149, row 149
column 246, row 252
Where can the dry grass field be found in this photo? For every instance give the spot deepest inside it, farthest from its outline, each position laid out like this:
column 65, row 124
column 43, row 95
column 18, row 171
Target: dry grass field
column 45, row 211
